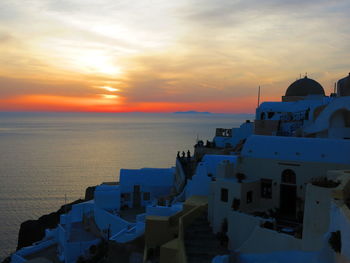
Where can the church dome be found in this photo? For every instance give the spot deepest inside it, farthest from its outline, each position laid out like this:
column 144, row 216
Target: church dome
column 305, row 87
column 344, row 86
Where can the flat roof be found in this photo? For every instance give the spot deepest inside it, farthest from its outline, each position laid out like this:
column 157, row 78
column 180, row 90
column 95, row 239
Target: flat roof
column 297, row 149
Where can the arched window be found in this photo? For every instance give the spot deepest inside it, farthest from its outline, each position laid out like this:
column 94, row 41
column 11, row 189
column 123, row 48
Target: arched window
column 288, row 177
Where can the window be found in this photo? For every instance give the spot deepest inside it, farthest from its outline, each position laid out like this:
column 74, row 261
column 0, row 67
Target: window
column 146, row 196
column 224, row 195
column 262, row 116
column 249, row 197
column 126, row 196
column 288, row 177
column 266, row 188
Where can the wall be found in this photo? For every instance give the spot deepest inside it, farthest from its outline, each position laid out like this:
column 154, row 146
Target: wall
column 256, row 168
column 199, row 183
column 340, row 220
column 78, row 210
column 158, row 182
column 107, row 196
column 218, row 210
column 254, row 187
column 265, row 127
column 159, row 230
column 105, row 220
column 180, row 177
column 264, row 240
column 26, row 251
column 74, row 250
column 316, row 216
column 240, row 227
column 238, row 134
column 163, row 210
column 214, row 165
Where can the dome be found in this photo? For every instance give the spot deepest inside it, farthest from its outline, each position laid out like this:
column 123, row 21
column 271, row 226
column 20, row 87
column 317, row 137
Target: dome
column 304, row 87
column 344, row 86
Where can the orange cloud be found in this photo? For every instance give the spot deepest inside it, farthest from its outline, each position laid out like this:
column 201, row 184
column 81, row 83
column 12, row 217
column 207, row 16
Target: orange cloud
column 60, row 103
column 107, row 103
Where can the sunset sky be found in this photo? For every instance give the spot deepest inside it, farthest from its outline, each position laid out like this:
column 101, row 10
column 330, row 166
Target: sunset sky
column 164, row 56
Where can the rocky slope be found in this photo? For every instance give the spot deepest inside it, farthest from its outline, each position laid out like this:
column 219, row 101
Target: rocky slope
column 34, row 230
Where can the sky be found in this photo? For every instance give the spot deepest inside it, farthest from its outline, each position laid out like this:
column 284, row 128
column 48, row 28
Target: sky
column 165, row 56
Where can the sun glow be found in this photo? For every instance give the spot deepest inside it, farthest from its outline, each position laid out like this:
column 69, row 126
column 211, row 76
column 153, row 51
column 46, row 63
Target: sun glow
column 92, row 61
column 109, row 88
column 108, row 96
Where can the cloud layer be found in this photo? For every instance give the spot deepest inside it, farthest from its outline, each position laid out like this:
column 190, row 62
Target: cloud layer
column 166, row 55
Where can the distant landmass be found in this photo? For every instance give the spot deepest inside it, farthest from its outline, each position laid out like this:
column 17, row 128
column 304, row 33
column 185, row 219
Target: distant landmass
column 192, row 112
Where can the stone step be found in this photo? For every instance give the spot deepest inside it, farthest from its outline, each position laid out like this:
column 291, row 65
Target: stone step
column 202, row 244
column 199, row 235
column 215, row 249
column 198, row 227
column 194, row 258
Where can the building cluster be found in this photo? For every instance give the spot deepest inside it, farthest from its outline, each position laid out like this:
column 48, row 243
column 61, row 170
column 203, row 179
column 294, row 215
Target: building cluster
column 276, row 189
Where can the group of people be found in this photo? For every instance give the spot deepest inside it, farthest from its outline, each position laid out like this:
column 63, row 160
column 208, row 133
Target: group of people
column 183, row 155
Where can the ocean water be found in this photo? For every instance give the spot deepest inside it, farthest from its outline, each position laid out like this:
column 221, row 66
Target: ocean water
column 47, row 156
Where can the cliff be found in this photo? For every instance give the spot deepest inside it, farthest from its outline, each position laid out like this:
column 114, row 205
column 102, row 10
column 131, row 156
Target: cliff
column 34, row 230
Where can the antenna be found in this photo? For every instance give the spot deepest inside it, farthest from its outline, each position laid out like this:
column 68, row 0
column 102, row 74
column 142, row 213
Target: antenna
column 259, row 96
column 65, row 203
column 335, row 87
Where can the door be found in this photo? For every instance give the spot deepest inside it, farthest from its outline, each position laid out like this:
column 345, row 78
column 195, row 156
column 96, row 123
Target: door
column 288, row 197
column 136, row 196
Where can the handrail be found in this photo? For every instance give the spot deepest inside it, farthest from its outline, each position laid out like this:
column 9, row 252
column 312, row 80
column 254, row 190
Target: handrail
column 125, row 230
column 119, row 233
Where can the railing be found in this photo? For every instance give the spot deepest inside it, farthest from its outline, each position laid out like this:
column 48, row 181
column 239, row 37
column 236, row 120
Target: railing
column 123, row 231
column 222, row 132
column 295, row 116
column 180, row 197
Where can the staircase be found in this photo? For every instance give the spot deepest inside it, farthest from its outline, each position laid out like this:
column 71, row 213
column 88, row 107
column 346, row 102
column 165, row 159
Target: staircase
column 200, row 242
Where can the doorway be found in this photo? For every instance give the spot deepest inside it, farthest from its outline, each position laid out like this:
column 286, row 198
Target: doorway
column 288, row 198
column 136, row 196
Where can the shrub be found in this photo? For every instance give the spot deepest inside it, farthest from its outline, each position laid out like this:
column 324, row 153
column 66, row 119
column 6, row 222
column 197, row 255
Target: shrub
column 324, row 182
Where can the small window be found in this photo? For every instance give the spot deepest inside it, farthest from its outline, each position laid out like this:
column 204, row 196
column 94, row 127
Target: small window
column 126, row 196
column 249, row 197
column 146, row 196
column 266, row 188
column 224, row 195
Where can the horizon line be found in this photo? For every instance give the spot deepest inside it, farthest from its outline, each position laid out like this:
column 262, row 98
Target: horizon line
column 118, row 112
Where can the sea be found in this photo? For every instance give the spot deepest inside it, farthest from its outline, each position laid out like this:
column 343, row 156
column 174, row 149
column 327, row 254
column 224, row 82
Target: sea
column 48, row 159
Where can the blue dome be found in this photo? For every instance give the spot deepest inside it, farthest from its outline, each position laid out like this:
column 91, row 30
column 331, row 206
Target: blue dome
column 305, row 87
